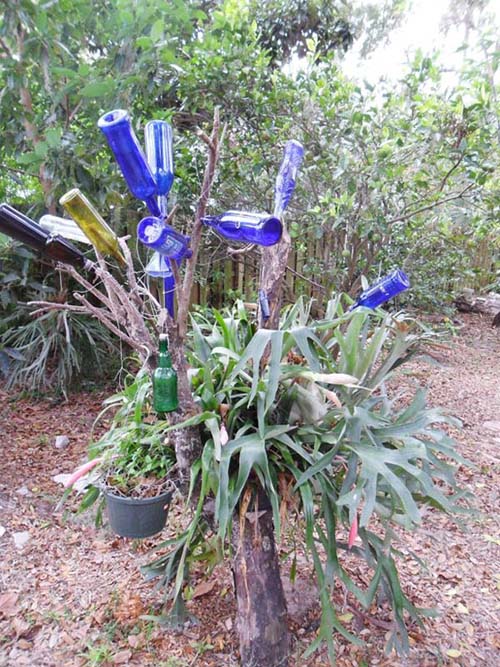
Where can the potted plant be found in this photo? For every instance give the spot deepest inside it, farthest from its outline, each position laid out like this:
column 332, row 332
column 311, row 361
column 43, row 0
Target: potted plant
column 131, row 464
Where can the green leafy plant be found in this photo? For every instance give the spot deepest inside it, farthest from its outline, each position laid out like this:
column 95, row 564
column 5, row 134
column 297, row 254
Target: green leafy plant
column 133, row 456
column 54, row 348
column 306, row 408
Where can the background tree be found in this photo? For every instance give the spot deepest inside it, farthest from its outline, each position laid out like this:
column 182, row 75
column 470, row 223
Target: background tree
column 401, row 174
column 379, row 161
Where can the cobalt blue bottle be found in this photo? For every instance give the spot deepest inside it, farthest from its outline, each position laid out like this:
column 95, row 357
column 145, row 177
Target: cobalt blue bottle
column 260, row 228
column 285, row 181
column 159, row 153
column 128, row 153
column 155, row 234
column 384, row 289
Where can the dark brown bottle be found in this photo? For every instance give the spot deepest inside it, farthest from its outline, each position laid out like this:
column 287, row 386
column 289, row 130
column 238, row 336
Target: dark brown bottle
column 61, row 250
column 21, row 228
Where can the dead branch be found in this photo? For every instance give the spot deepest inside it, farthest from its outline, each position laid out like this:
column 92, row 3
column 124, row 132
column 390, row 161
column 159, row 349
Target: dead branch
column 428, row 207
column 101, row 315
column 241, row 251
column 183, row 295
column 46, row 306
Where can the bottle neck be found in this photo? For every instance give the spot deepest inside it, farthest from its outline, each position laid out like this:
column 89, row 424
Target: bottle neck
column 164, row 359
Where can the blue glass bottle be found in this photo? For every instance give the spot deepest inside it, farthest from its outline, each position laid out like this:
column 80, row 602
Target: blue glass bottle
column 155, row 234
column 159, row 153
column 260, row 228
column 128, row 153
column 285, row 181
column 384, row 289
column 264, row 305
column 169, row 293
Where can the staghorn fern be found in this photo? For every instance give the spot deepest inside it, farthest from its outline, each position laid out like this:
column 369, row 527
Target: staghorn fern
column 359, row 456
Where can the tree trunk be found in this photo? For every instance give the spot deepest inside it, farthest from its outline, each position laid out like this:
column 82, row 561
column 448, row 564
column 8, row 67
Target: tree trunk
column 272, row 272
column 262, row 613
column 187, row 441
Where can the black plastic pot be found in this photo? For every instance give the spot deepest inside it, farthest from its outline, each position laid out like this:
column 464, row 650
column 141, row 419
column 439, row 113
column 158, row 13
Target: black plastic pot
column 137, row 517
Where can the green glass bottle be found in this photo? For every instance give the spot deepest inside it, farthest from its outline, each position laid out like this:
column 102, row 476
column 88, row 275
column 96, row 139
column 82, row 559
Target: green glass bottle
column 164, row 381
column 92, row 224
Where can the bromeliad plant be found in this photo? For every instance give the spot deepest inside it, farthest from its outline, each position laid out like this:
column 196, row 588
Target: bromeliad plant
column 304, row 414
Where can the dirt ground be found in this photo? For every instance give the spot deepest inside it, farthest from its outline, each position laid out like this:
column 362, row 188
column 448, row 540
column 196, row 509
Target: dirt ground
column 71, row 594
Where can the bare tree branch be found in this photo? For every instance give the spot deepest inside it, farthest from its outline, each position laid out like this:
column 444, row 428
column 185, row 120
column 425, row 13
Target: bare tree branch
column 208, row 178
column 101, row 315
column 449, row 173
column 428, row 207
column 46, row 306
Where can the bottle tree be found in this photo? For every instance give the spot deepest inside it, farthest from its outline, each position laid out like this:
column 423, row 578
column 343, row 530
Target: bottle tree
column 130, row 311
column 126, row 307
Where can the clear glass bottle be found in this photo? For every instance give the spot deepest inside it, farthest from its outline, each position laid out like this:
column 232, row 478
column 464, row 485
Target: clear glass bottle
column 241, row 226
column 160, row 267
column 63, row 226
column 92, row 224
column 164, row 381
column 121, row 138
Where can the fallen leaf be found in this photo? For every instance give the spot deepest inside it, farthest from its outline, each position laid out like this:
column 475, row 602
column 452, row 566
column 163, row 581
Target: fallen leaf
column 453, row 653
column 135, row 640
column 122, row 657
column 333, row 398
column 202, row 589
column 20, row 627
column 345, row 618
column 8, row 603
column 129, row 608
column 53, row 639
column 224, row 436
column 21, row 539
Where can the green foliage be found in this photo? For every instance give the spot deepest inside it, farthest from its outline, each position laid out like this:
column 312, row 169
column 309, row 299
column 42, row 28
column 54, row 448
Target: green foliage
column 135, row 456
column 308, row 405
column 134, row 446
column 55, row 349
column 406, row 174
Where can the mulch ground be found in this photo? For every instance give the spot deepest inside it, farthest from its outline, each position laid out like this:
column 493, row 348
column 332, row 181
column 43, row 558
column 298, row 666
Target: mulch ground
column 71, row 594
